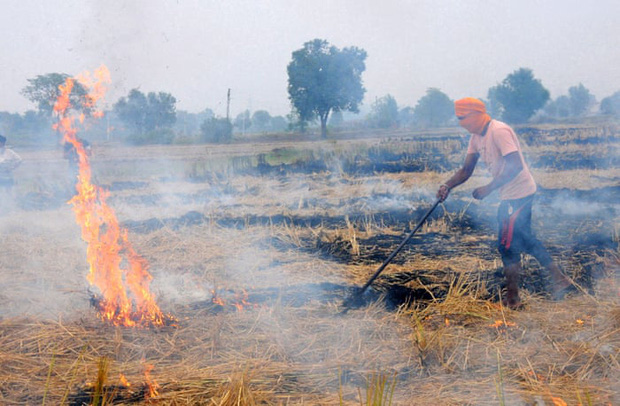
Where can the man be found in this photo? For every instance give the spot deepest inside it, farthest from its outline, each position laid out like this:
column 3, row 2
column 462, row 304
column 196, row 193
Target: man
column 497, row 145
column 9, row 160
column 71, row 155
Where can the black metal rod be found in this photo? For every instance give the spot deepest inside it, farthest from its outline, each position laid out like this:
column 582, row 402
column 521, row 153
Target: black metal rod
column 397, row 250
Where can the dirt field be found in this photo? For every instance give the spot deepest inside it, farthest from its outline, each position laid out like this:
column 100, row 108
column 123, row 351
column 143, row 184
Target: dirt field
column 253, row 246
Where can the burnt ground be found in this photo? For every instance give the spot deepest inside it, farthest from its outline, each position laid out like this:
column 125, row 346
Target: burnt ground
column 567, row 213
column 391, row 218
column 575, row 237
column 375, row 160
column 297, row 261
column 604, row 134
column 563, row 211
column 569, row 224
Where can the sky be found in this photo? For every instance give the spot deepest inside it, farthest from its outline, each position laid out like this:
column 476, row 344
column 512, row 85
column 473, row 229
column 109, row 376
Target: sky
column 198, row 49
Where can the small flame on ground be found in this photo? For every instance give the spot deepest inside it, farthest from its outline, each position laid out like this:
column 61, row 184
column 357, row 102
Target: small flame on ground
column 240, row 300
column 502, row 324
column 558, row 401
column 216, row 299
column 115, row 268
column 537, row 376
column 124, row 382
column 150, row 382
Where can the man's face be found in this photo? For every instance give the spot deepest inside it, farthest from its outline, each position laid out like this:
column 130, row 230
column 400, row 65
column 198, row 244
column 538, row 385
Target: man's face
column 465, row 122
column 471, row 122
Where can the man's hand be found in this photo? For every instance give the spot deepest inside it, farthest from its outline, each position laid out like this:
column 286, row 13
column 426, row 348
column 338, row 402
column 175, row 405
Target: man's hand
column 443, row 192
column 481, row 192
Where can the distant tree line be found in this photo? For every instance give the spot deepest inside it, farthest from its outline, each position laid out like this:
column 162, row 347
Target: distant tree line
column 325, row 87
column 259, row 122
column 137, row 118
column 324, row 80
column 517, row 99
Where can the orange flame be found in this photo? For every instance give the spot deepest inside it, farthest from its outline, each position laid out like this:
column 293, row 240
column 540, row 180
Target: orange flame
column 558, row 401
column 502, row 324
column 537, row 376
column 219, row 301
column 240, row 301
column 124, row 382
column 126, row 299
column 150, row 382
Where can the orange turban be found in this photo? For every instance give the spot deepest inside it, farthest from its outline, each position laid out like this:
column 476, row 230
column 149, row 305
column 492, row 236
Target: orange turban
column 473, row 114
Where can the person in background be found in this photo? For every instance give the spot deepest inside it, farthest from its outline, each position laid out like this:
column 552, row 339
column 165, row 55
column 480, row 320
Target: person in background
column 71, row 155
column 496, row 144
column 9, row 160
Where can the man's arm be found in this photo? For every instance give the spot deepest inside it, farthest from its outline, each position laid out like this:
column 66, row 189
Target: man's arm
column 513, row 166
column 459, row 177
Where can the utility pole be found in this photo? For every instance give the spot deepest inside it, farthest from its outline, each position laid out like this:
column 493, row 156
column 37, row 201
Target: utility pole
column 228, row 106
column 107, row 128
column 243, row 125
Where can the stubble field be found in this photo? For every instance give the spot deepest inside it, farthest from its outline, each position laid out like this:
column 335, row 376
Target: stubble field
column 254, row 245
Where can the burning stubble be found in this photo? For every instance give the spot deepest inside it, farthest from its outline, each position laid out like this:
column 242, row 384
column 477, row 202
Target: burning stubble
column 440, row 331
column 116, row 269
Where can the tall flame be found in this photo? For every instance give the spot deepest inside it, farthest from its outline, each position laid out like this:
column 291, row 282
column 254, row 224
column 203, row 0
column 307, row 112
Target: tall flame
column 115, row 268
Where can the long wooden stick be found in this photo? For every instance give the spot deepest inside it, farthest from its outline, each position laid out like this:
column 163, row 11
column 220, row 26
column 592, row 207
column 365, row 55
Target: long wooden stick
column 393, row 254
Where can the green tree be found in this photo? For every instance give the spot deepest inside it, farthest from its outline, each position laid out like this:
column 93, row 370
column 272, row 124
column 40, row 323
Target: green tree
column 43, row 91
column 564, row 106
column 336, row 120
column 406, row 117
column 145, row 113
column 560, row 107
column 435, row 109
column 494, row 107
column 34, row 122
column 31, row 122
column 133, row 110
column 278, row 124
column 322, row 78
column 189, row 124
column 161, row 110
column 580, row 100
column 295, row 123
column 611, row 105
column 261, row 120
column 576, row 104
column 243, row 121
column 519, row 95
column 216, row 130
column 10, row 123
column 384, row 112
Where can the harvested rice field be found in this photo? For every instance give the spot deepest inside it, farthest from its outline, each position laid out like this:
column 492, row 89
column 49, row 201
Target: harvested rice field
column 254, row 246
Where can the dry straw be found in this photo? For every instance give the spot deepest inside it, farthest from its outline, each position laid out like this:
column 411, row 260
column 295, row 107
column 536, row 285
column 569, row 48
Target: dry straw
column 450, row 342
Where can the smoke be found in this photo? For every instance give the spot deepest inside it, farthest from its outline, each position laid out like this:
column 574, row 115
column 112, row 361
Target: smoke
column 43, row 264
column 158, row 189
column 252, row 240
column 575, row 207
column 184, row 288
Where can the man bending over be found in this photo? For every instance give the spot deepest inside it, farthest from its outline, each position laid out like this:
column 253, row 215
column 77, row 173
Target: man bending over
column 496, row 144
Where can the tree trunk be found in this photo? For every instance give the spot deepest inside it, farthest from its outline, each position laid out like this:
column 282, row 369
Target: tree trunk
column 323, row 127
column 324, row 124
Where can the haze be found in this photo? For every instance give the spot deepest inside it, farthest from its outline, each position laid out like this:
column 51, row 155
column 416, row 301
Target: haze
column 196, row 50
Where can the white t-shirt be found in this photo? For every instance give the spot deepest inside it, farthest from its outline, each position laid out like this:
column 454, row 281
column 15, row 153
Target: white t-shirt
column 9, row 160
